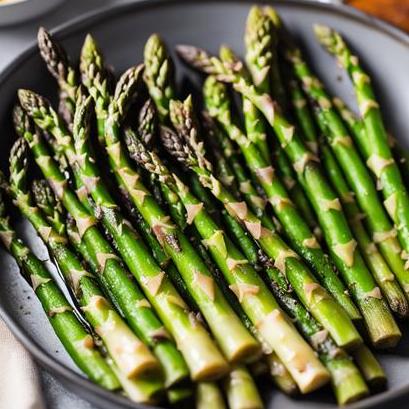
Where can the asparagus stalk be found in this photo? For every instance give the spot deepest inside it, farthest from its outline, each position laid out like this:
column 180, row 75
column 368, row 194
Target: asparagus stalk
column 58, row 65
column 380, row 159
column 354, row 169
column 286, row 173
column 138, row 257
column 183, row 120
column 261, row 56
column 208, row 229
column 380, row 323
column 241, row 391
column 357, row 129
column 280, row 375
column 132, row 362
column 244, row 189
column 78, row 343
column 114, row 277
column 159, row 75
column 131, row 356
column 94, row 77
column 238, row 344
column 260, row 42
column 240, row 276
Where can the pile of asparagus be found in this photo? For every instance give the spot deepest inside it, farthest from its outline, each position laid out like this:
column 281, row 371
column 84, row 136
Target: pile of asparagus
column 258, row 229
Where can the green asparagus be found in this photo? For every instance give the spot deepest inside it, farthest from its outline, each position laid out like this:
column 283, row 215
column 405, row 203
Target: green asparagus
column 380, row 159
column 355, row 171
column 381, row 326
column 78, row 343
column 114, row 277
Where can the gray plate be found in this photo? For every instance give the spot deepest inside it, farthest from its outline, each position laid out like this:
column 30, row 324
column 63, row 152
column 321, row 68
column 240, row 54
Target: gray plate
column 122, row 32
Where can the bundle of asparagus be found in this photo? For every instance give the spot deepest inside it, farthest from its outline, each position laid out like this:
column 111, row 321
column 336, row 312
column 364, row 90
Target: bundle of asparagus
column 226, row 246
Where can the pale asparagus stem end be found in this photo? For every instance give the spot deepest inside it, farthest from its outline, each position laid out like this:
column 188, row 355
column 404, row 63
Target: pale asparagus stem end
column 386, row 333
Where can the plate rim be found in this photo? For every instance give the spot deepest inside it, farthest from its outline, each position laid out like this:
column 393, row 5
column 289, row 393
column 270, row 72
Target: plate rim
column 62, row 371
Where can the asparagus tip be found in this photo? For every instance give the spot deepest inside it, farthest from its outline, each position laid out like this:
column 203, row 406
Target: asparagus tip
column 147, row 122
column 89, row 46
column 196, row 57
column 31, row 101
column 253, row 17
column 273, row 15
column 325, row 36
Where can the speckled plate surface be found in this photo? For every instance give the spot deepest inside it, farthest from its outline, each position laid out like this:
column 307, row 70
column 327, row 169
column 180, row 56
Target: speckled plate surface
column 122, row 31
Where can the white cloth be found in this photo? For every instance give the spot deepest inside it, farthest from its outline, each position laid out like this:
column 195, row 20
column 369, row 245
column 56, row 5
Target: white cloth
column 19, row 383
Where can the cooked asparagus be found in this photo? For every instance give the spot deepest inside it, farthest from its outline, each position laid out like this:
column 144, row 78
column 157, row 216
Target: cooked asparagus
column 114, row 277
column 382, row 328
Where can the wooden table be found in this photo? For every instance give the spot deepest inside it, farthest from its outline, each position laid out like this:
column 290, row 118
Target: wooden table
column 393, row 11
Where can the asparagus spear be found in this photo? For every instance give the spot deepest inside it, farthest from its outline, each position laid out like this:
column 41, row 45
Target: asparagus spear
column 370, row 367
column 280, row 375
column 260, row 42
column 244, row 189
column 241, row 391
column 255, row 123
column 354, row 169
column 208, row 229
column 114, row 277
column 58, row 64
column 131, row 356
column 176, row 394
column 357, row 129
column 159, row 75
column 381, row 326
column 160, row 81
column 380, row 159
column 238, row 170
column 94, row 77
column 376, row 263
column 78, row 343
